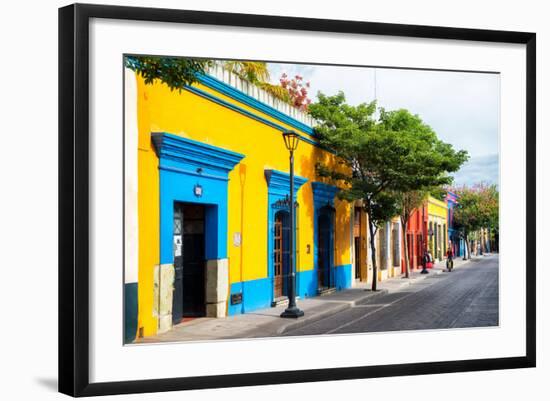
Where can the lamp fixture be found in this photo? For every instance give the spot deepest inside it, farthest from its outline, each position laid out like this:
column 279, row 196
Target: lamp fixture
column 291, row 140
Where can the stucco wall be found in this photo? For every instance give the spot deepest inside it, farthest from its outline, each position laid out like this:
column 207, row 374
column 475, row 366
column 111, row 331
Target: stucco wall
column 199, row 118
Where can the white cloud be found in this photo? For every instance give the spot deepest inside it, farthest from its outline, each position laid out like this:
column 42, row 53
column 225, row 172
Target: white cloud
column 462, row 107
column 478, row 169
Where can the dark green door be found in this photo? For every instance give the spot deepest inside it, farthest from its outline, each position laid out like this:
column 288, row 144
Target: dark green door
column 324, row 255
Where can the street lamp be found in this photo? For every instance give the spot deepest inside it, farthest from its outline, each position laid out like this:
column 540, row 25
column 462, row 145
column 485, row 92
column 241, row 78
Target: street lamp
column 291, row 139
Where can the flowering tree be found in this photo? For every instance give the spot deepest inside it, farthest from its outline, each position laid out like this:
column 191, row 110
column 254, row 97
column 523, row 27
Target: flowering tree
column 478, row 207
column 297, row 91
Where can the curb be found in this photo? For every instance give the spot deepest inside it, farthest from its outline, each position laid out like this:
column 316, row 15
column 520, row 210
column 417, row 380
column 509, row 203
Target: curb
column 343, row 305
column 349, row 304
column 340, row 305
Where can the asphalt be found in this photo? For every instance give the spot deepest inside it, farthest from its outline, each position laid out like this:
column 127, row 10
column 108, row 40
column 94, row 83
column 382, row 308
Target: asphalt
column 465, row 297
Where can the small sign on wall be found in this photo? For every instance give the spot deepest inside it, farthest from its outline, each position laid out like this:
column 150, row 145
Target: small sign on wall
column 197, row 190
column 177, row 245
column 237, row 239
column 236, row 298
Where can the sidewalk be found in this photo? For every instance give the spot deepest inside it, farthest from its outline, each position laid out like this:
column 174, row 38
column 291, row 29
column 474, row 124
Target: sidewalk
column 267, row 323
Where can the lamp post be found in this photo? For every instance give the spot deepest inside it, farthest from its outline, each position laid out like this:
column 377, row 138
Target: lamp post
column 291, row 139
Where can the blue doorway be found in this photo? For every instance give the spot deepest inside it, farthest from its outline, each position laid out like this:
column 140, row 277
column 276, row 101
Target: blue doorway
column 325, row 246
column 281, row 254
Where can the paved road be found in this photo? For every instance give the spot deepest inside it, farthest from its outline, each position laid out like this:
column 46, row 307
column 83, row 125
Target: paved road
column 466, row 297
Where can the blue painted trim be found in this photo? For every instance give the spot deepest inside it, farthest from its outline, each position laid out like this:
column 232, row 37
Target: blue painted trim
column 193, row 173
column 324, row 193
column 184, row 163
column 247, row 113
column 453, row 194
column 278, row 185
column 306, row 283
column 257, row 294
column 323, row 202
column 187, row 151
column 278, row 182
column 234, row 93
column 342, row 279
column 454, row 237
column 306, row 280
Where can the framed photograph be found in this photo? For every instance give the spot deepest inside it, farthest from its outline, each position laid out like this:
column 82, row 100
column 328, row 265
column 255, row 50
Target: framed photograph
column 251, row 199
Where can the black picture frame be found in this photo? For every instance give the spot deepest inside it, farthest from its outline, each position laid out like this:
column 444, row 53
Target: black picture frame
column 74, row 194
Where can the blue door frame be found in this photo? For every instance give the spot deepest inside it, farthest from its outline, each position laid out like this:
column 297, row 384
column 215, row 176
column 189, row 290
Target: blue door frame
column 278, row 200
column 323, row 200
column 325, row 212
column 193, row 172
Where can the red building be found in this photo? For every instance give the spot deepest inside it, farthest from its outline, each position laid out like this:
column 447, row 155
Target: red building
column 417, row 230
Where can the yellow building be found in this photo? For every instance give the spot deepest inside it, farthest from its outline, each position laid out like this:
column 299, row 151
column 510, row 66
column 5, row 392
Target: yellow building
column 389, row 250
column 437, row 227
column 211, row 192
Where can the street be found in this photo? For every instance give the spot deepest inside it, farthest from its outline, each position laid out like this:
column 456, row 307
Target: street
column 466, row 297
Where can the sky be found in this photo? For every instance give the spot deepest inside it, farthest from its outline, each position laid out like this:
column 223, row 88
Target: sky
column 461, row 107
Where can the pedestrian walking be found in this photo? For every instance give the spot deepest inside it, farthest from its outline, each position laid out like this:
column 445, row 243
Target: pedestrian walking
column 430, row 260
column 427, row 262
column 450, row 256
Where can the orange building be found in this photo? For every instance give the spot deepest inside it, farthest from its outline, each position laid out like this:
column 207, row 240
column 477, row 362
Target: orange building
column 417, row 227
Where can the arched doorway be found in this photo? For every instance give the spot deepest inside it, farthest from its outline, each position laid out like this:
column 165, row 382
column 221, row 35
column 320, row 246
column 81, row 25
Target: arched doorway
column 324, row 249
column 281, row 253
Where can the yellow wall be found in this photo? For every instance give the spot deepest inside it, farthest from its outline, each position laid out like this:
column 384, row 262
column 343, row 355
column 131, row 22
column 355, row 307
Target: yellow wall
column 148, row 219
column 437, row 214
column 437, row 208
column 191, row 116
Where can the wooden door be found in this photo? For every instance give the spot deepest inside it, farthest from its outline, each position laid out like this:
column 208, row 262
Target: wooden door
column 357, row 257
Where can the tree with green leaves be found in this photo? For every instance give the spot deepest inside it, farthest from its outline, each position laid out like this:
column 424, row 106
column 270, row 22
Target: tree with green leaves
column 383, row 159
column 490, row 208
column 343, row 129
column 257, row 73
column 424, row 165
column 176, row 72
column 251, row 71
column 408, row 202
column 478, row 207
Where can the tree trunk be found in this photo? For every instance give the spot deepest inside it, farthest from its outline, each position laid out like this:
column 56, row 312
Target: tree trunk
column 406, row 250
column 481, row 236
column 373, row 255
column 467, row 246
